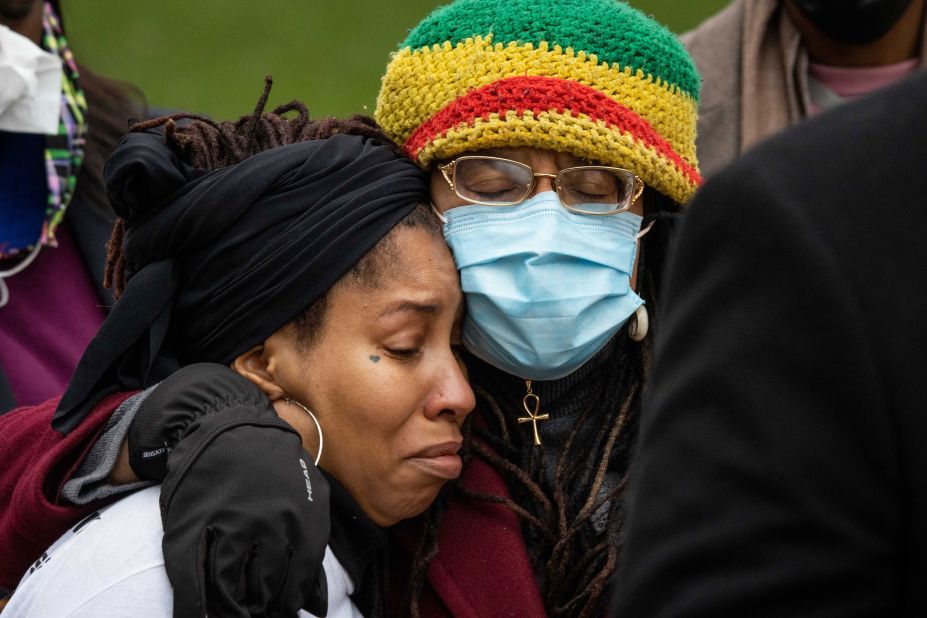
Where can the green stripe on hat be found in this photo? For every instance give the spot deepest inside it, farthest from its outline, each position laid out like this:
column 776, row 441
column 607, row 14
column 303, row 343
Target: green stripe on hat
column 612, row 30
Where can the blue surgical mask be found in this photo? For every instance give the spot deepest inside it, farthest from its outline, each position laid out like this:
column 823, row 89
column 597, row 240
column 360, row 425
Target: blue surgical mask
column 546, row 288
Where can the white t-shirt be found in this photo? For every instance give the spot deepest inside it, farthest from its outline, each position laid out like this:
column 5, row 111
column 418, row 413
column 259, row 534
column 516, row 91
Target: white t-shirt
column 111, row 564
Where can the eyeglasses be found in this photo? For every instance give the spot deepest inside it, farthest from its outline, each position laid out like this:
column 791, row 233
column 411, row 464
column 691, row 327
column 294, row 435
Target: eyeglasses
column 586, row 189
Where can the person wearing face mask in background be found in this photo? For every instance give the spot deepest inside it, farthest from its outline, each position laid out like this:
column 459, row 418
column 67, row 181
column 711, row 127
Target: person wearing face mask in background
column 560, row 139
column 58, row 121
column 767, row 64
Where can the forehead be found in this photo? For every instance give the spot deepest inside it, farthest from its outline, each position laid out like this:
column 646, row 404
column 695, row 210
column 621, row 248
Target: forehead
column 419, row 270
column 535, row 157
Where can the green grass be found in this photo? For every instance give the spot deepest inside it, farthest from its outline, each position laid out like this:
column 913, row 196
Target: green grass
column 211, row 55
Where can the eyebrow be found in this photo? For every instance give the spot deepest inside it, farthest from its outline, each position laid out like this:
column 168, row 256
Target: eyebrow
column 410, row 306
column 511, row 153
column 504, row 153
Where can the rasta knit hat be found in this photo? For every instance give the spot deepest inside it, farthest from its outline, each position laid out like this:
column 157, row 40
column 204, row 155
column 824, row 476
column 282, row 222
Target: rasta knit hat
column 593, row 78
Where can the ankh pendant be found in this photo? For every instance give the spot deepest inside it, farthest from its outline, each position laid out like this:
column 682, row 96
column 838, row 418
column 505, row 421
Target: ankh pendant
column 532, row 405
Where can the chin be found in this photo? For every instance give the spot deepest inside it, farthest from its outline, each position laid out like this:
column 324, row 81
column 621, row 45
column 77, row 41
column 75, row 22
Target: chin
column 415, row 505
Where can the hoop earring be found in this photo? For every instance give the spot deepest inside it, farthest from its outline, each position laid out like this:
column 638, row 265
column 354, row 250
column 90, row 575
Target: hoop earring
column 314, row 420
column 639, row 324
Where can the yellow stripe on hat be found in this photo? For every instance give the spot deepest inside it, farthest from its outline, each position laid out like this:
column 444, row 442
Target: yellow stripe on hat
column 420, row 83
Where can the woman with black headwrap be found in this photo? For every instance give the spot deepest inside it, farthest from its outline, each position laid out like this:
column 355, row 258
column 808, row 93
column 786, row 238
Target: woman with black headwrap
column 314, row 270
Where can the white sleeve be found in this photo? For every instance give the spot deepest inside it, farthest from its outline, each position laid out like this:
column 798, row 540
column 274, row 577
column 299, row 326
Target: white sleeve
column 144, row 594
column 110, row 564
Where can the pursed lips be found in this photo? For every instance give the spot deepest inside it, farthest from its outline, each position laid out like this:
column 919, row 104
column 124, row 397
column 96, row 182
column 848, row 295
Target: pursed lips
column 440, row 460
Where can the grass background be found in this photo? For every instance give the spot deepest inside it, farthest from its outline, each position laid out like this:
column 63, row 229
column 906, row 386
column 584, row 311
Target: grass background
column 211, row 55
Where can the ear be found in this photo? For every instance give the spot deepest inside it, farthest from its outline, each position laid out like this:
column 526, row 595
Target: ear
column 259, row 366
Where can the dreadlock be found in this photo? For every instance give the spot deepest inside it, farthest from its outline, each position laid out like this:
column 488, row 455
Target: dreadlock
column 208, row 145
column 573, row 558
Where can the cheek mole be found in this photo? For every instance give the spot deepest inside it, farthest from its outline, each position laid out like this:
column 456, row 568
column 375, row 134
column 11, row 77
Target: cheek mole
column 375, row 358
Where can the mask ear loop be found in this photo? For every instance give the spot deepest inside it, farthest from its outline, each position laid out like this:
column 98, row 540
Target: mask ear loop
column 314, row 420
column 440, row 215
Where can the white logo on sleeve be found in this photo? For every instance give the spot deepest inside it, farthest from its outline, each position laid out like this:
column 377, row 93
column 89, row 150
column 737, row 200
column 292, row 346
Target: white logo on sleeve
column 306, row 477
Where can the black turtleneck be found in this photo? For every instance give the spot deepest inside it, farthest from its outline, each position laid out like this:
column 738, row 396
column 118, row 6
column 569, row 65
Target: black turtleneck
column 564, row 400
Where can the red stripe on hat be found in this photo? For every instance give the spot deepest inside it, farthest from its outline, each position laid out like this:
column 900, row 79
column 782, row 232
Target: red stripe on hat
column 542, row 94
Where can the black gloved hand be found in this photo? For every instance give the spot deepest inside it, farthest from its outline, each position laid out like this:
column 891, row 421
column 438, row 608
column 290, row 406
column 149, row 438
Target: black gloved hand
column 245, row 510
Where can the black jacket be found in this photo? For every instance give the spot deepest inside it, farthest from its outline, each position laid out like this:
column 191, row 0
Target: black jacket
column 782, row 465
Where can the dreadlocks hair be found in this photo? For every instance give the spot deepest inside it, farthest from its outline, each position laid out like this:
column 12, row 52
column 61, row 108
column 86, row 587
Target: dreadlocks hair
column 573, row 559
column 209, row 145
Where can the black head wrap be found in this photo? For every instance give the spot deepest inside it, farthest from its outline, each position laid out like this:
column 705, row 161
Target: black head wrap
column 218, row 261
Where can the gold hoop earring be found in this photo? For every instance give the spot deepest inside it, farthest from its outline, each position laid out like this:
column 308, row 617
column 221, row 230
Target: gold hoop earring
column 314, row 420
column 639, row 324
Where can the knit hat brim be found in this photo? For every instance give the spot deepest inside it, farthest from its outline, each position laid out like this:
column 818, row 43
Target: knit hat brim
column 553, row 114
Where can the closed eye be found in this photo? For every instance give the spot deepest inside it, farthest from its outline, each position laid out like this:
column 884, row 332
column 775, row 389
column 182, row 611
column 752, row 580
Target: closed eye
column 403, row 353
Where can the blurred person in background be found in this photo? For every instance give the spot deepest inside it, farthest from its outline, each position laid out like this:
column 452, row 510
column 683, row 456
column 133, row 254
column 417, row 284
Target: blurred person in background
column 58, row 122
column 767, row 64
column 781, row 469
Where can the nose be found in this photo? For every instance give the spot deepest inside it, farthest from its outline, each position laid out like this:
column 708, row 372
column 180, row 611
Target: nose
column 451, row 394
column 542, row 183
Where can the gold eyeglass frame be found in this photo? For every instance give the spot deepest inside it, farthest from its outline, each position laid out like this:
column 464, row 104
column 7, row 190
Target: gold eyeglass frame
column 447, row 170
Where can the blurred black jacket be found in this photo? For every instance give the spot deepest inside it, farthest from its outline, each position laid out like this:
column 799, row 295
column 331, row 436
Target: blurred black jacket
column 782, row 465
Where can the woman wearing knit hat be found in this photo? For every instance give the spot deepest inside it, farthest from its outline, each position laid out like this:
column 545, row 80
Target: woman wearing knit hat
column 557, row 133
